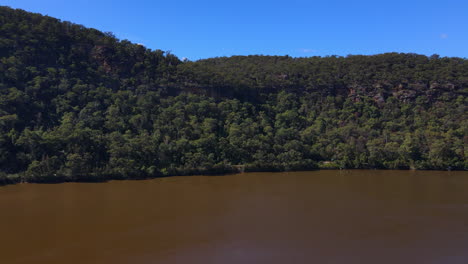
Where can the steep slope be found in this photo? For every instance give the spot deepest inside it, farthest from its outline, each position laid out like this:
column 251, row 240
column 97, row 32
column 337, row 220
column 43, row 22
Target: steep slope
column 76, row 103
column 43, row 59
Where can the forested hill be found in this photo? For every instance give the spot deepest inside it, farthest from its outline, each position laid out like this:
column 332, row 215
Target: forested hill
column 405, row 76
column 77, row 103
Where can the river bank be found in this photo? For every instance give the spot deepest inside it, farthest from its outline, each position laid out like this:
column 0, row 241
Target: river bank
column 215, row 170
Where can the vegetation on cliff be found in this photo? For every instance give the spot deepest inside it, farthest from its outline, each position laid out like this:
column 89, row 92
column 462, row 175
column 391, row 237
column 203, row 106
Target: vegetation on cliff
column 79, row 104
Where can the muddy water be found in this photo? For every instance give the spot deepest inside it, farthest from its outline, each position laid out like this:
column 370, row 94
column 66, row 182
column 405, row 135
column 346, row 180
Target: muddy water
column 298, row 217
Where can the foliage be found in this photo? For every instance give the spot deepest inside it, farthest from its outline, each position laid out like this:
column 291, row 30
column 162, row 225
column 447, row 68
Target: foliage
column 79, row 104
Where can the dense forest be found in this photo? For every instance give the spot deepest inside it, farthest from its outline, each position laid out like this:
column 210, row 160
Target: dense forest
column 79, row 104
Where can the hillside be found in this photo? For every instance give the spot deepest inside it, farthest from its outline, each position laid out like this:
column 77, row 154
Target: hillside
column 79, row 104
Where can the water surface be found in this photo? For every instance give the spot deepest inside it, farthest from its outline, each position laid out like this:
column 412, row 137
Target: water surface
column 297, row 217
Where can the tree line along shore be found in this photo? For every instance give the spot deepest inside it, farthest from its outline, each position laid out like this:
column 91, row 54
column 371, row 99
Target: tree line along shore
column 77, row 104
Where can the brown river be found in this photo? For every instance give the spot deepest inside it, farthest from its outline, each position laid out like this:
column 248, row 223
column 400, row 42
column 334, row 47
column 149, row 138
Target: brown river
column 319, row 217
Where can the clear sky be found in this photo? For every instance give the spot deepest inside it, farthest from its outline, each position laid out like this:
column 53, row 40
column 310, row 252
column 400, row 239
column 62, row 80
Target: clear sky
column 207, row 28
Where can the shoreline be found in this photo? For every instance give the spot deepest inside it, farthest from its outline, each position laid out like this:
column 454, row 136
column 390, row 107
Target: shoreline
column 103, row 178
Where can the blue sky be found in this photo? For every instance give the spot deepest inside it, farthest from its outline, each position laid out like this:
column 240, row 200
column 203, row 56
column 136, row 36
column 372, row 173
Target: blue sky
column 206, row 28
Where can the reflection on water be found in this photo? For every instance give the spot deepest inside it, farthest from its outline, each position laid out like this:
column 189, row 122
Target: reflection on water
column 296, row 217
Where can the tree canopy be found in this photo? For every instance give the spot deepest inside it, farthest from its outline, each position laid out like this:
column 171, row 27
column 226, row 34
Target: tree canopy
column 79, row 104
